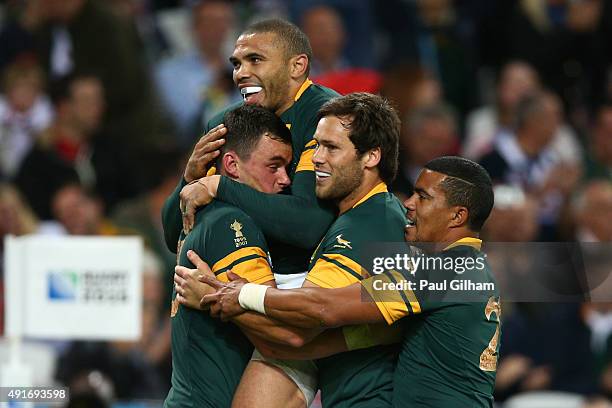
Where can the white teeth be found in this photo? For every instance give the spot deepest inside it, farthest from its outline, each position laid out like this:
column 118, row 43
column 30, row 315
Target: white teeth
column 250, row 90
column 410, row 223
column 322, row 174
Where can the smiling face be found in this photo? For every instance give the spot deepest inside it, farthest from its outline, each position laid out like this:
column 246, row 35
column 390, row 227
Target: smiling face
column 338, row 166
column 261, row 67
column 265, row 169
column 428, row 211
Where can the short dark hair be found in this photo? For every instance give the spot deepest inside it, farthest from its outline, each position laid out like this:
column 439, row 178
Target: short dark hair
column 294, row 41
column 247, row 124
column 467, row 184
column 374, row 123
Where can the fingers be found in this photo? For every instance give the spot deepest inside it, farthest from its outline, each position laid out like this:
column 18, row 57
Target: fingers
column 232, row 276
column 197, row 261
column 213, row 136
column 208, row 299
column 211, row 281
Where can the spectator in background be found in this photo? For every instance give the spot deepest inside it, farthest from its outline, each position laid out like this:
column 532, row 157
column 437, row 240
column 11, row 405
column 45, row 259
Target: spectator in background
column 598, row 162
column 357, row 16
column 591, row 209
column 81, row 212
column 196, row 86
column 141, row 214
column 76, row 148
column 410, row 87
column 524, row 158
column 84, row 36
column 517, row 80
column 429, row 132
column 24, row 112
column 514, row 217
column 326, row 32
column 576, row 37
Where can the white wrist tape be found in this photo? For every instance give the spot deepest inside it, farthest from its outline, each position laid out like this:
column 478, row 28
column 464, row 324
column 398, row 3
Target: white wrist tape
column 252, row 297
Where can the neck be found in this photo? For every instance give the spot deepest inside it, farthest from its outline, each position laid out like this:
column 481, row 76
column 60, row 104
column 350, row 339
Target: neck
column 294, row 88
column 367, row 184
column 452, row 236
column 69, row 132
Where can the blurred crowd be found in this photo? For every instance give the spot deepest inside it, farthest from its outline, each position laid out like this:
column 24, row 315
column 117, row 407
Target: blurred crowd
column 101, row 101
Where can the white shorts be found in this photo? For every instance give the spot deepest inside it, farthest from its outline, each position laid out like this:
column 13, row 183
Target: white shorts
column 290, row 281
column 302, row 372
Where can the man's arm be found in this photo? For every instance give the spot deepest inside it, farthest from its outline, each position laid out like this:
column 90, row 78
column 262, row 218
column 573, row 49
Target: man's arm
column 299, row 219
column 204, row 152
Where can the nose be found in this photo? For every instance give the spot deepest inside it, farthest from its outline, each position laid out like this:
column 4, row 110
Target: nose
column 317, row 157
column 410, row 202
column 283, row 178
column 241, row 73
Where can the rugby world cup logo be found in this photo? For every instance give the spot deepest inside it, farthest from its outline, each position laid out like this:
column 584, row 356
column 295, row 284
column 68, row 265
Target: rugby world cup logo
column 62, row 285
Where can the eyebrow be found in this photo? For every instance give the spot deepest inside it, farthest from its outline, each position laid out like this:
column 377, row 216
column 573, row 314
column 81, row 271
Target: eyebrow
column 277, row 158
column 421, row 191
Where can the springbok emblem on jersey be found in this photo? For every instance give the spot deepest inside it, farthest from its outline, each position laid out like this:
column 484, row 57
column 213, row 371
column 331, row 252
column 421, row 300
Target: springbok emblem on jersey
column 342, row 243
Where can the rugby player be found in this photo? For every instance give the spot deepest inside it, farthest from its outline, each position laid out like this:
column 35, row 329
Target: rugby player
column 209, row 357
column 356, row 157
column 271, row 64
column 450, row 348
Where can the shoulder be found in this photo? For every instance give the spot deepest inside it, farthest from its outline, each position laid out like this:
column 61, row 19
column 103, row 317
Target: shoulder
column 312, row 99
column 381, row 218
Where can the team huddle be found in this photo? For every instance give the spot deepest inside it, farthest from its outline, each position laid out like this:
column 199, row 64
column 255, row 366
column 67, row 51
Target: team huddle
column 275, row 298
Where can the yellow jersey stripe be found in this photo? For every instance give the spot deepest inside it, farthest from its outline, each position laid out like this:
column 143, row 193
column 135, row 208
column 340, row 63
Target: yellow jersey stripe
column 407, row 295
column 379, row 188
column 329, row 275
column 389, row 302
column 256, row 270
column 302, row 89
column 305, row 163
column 236, row 256
column 469, row 241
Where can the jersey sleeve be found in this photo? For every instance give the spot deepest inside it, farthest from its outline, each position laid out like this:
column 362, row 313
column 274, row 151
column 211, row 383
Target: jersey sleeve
column 337, row 264
column 298, row 219
column 394, row 299
column 172, row 219
column 235, row 243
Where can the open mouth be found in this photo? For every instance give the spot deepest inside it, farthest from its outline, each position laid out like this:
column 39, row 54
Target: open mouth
column 249, row 92
column 410, row 223
column 322, row 175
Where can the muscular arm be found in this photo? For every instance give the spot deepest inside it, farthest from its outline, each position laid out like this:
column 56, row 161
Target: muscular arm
column 261, row 328
column 324, row 345
column 319, row 307
column 298, row 219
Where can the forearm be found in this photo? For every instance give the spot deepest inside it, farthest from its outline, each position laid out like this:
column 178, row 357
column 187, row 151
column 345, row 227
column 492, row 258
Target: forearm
column 257, row 326
column 298, row 219
column 324, row 345
column 172, row 219
column 319, row 307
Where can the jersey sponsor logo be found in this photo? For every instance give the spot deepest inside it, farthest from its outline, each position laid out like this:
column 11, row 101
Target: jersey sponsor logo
column 239, row 240
column 342, row 243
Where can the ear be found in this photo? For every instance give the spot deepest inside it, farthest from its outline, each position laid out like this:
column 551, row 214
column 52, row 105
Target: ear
column 459, row 217
column 298, row 65
column 372, row 158
column 230, row 164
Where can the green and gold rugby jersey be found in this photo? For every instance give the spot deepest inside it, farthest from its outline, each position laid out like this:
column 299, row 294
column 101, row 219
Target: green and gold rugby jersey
column 360, row 378
column 209, row 356
column 450, row 347
column 293, row 224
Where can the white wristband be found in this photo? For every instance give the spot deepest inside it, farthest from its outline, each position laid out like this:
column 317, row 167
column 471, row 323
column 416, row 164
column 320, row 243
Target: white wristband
column 252, row 297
